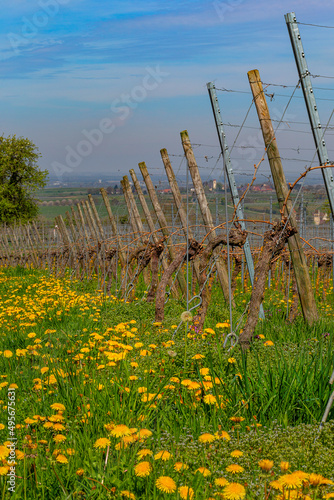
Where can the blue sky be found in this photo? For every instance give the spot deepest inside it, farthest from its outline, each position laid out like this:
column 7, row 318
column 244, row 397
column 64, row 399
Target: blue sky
column 69, row 67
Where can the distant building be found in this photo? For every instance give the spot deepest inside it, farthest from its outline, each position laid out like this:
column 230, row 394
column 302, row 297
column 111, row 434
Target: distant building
column 262, row 187
column 320, row 217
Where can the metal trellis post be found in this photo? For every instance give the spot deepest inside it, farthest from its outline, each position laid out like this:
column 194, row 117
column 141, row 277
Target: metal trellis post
column 231, row 180
column 311, row 104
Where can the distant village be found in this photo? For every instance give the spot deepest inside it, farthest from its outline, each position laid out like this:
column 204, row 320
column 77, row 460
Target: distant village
column 319, row 216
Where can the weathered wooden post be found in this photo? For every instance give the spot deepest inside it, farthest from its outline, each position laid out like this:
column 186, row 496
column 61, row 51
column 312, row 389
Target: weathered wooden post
column 132, row 207
column 122, row 256
column 204, row 207
column 162, row 220
column 82, row 220
column 179, row 205
column 120, row 252
column 90, row 219
column 150, row 222
column 66, row 239
column 96, row 216
column 77, row 222
column 301, row 271
column 135, row 217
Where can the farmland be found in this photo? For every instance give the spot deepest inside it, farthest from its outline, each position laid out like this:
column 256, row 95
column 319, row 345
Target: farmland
column 121, row 374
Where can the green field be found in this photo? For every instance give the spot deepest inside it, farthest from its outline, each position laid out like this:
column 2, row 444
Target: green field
column 109, row 404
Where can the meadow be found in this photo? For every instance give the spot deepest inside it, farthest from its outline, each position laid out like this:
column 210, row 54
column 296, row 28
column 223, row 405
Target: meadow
column 110, row 404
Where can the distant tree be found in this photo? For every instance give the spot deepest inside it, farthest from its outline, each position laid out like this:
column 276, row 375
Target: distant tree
column 19, row 179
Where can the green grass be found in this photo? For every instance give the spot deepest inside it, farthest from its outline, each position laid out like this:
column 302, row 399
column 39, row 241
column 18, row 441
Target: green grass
column 279, row 390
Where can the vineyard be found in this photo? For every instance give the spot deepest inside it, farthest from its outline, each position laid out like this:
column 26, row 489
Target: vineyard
column 152, row 349
column 145, row 364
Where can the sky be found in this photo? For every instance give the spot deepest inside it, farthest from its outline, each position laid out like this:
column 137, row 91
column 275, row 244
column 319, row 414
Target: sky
column 100, row 86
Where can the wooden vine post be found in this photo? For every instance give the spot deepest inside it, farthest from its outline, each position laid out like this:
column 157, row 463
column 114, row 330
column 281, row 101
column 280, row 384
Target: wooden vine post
column 96, row 216
column 83, row 223
column 301, row 271
column 150, row 223
column 178, row 202
column 137, row 224
column 162, row 221
column 205, row 210
column 114, row 230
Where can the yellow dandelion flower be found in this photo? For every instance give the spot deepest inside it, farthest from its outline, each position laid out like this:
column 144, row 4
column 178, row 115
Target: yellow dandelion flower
column 59, row 438
column 198, row 356
column 276, row 485
column 186, row 382
column 290, row 481
column 234, row 491
column 3, row 470
column 144, row 453
column 268, row 343
column 223, row 435
column 166, row 484
column 120, row 431
column 58, row 427
column 127, row 494
column 209, row 399
column 236, row 453
column 234, row 468
column 301, row 474
column 204, row 471
column 143, row 469
column 204, row 371
column 7, row 354
column 102, row 443
column 80, row 472
column 180, row 466
column 193, row 386
column 30, row 421
column 206, row 438
column 222, row 325
column 317, row 480
column 163, row 455
column 221, row 481
column 4, row 452
column 61, row 459
column 231, row 360
column 58, row 407
column 144, row 433
column 266, row 465
column 19, row 454
column 237, row 420
column 186, row 493
column 284, row 466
